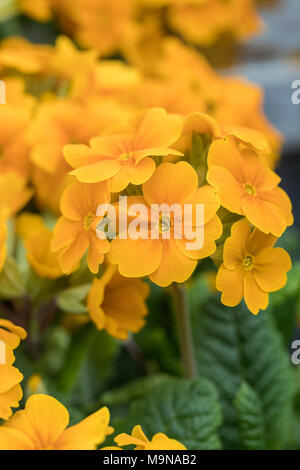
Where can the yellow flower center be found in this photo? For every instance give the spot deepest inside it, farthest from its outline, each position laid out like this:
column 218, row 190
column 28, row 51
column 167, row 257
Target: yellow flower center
column 164, row 223
column 250, row 189
column 125, row 157
column 248, row 263
column 88, row 220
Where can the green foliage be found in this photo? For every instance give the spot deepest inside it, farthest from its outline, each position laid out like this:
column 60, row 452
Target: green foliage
column 250, row 418
column 11, row 283
column 70, row 300
column 79, row 347
column 285, row 304
column 186, row 410
column 232, row 347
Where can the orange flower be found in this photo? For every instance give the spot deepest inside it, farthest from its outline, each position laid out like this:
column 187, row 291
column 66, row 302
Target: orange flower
column 124, row 157
column 20, row 54
column 117, row 304
column 59, row 123
column 10, row 377
column 251, row 268
column 168, row 260
column 75, row 231
column 138, row 438
column 13, row 196
column 40, row 10
column 43, row 426
column 246, row 186
column 37, row 240
column 203, row 22
column 101, row 24
column 14, row 149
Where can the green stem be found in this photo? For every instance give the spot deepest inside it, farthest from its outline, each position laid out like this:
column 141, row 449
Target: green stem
column 184, row 330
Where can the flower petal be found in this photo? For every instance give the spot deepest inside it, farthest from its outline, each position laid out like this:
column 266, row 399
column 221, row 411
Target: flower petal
column 230, row 283
column 256, row 299
column 271, row 266
column 135, row 258
column 169, row 184
column 174, row 265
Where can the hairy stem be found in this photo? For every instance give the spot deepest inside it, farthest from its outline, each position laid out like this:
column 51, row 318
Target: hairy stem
column 184, row 330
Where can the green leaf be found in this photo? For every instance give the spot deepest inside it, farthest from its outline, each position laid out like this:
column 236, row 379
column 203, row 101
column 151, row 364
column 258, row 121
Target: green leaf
column 70, row 300
column 284, row 305
column 250, row 418
column 133, row 390
column 186, row 410
column 233, row 346
column 11, row 283
column 77, row 353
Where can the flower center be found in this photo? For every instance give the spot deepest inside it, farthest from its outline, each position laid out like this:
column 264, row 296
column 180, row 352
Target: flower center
column 164, row 223
column 248, row 263
column 125, row 157
column 88, row 221
column 250, row 189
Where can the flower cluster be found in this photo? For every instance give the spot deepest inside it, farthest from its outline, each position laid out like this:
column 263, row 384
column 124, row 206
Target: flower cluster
column 125, row 25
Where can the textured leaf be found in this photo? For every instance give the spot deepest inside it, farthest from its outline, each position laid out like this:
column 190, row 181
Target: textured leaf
column 250, row 418
column 186, row 410
column 232, row 346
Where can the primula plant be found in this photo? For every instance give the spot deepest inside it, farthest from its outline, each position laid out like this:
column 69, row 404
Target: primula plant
column 148, row 297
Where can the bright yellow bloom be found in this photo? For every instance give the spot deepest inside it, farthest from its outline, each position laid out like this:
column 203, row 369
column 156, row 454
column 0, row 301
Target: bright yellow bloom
column 13, row 196
column 251, row 268
column 203, row 22
column 168, row 260
column 75, row 231
column 124, row 157
column 59, row 123
column 117, row 304
column 42, row 425
column 10, row 377
column 246, row 186
column 101, row 23
column 138, row 438
column 40, row 10
column 13, row 146
column 24, row 56
column 16, row 95
column 37, row 240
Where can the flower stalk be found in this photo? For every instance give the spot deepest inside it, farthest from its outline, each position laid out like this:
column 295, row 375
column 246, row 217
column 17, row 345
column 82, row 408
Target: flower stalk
column 184, row 330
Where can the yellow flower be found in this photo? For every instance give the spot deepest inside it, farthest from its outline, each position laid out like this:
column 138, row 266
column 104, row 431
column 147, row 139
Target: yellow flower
column 42, row 425
column 59, row 123
column 40, row 10
column 124, row 157
column 37, row 240
column 75, row 231
column 10, row 377
column 168, row 259
column 24, row 56
column 117, row 304
column 101, row 24
column 203, row 22
column 138, row 438
column 13, row 196
column 246, row 186
column 251, row 268
column 14, row 149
